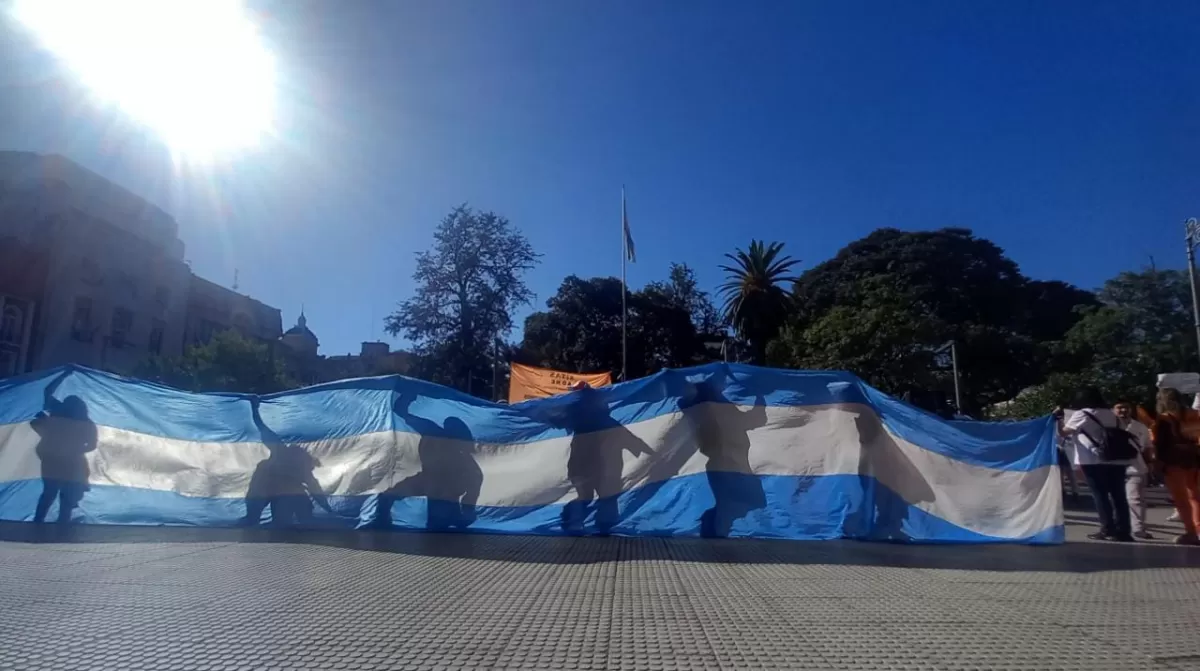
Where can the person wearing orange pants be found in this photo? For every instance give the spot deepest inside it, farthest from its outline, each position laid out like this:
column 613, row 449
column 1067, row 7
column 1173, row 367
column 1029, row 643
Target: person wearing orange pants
column 1184, row 485
column 1177, row 451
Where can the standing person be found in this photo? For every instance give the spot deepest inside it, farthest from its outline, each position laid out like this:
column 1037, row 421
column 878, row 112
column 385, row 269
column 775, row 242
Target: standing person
column 67, row 435
column 1178, row 453
column 1138, row 472
column 1089, row 426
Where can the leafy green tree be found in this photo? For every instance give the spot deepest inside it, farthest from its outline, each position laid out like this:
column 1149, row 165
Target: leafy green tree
column 581, row 329
column 886, row 304
column 228, row 362
column 878, row 338
column 1143, row 327
column 467, row 287
column 682, row 290
column 756, row 303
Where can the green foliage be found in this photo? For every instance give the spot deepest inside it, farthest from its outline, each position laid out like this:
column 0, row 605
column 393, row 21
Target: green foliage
column 682, row 290
column 581, row 328
column 1040, row 400
column 756, row 302
column 886, row 303
column 878, row 338
column 228, row 362
column 467, row 287
column 1144, row 327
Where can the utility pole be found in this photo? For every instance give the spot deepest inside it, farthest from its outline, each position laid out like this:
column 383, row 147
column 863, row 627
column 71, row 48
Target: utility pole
column 954, row 364
column 495, row 369
column 1192, row 238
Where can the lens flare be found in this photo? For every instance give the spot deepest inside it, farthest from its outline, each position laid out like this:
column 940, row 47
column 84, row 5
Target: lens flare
column 193, row 70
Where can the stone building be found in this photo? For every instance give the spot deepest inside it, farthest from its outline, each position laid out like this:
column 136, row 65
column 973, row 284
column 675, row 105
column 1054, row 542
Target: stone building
column 212, row 308
column 101, row 279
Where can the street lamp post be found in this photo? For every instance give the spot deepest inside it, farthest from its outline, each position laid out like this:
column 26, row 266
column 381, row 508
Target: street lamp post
column 1192, row 237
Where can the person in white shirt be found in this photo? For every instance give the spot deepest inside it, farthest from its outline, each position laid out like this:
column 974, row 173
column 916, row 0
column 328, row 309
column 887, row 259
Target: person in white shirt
column 1136, row 474
column 1087, row 425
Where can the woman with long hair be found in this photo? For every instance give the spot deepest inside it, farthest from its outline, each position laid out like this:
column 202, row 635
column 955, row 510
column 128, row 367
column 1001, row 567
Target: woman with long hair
column 1177, row 450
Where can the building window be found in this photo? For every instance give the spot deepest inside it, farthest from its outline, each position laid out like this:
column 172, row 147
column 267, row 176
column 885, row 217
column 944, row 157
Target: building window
column 11, row 325
column 122, row 324
column 81, row 323
column 156, row 336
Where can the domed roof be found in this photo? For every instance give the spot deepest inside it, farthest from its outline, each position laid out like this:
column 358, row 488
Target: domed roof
column 301, row 328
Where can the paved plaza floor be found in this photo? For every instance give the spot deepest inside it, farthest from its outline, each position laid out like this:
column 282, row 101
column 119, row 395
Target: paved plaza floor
column 126, row 598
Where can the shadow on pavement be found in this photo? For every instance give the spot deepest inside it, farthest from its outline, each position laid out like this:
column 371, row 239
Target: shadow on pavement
column 1068, row 558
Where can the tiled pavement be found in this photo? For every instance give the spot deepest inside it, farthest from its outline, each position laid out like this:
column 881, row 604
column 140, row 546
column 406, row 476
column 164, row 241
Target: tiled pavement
column 121, row 598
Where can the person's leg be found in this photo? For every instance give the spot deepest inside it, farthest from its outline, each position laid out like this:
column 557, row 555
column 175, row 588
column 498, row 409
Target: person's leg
column 607, row 515
column 1192, row 488
column 1135, row 490
column 254, row 511
column 1115, row 485
column 382, row 518
column 1094, row 474
column 69, row 496
column 575, row 512
column 50, row 490
column 1177, row 483
column 1074, row 482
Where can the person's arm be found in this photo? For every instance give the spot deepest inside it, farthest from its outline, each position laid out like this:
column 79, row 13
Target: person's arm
column 1073, row 422
column 1074, row 426
column 51, row 405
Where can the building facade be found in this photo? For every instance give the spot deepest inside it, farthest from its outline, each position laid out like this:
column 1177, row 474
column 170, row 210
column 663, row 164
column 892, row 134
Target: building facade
column 22, row 282
column 212, row 308
column 108, row 285
column 91, row 274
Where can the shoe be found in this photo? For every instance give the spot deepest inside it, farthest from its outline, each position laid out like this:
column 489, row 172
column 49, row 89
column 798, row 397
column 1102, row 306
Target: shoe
column 1144, row 535
column 1173, row 517
column 1187, row 539
column 1098, row 536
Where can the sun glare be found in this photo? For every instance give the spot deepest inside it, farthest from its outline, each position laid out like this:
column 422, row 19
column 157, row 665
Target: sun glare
column 193, row 70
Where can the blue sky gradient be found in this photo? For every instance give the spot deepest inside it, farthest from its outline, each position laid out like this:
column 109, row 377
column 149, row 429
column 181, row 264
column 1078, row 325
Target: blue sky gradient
column 1067, row 132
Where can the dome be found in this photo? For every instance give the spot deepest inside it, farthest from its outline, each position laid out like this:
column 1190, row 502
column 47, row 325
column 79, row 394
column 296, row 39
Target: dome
column 301, row 328
column 300, row 338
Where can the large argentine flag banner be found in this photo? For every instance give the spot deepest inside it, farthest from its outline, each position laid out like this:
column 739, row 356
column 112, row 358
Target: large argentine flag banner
column 717, row 450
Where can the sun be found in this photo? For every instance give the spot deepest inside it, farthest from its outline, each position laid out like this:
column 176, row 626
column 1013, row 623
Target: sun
column 193, row 70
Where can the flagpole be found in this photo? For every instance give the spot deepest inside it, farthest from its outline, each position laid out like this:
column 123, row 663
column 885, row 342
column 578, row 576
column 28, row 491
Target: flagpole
column 624, row 253
column 954, row 362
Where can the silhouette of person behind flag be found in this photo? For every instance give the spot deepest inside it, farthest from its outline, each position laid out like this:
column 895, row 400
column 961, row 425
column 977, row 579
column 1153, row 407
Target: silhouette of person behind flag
column 596, row 462
column 66, row 434
column 722, row 430
column 449, row 479
column 285, row 481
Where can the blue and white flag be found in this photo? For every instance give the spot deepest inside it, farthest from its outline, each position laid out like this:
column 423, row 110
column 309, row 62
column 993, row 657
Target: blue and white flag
column 717, row 450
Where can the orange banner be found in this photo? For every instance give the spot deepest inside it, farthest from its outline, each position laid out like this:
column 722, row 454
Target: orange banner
column 527, row 382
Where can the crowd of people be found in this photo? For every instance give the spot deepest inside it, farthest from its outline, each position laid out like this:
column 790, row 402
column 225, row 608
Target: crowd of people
column 1122, row 449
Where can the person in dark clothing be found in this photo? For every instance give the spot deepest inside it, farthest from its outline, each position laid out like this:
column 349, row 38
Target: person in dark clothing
column 66, row 436
column 722, row 430
column 450, row 479
column 285, row 481
column 596, row 461
column 1087, row 426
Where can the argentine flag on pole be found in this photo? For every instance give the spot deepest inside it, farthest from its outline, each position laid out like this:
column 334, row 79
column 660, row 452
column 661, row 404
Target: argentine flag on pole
column 629, row 252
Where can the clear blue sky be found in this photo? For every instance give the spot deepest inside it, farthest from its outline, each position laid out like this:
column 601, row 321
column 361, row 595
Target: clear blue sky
column 1067, row 132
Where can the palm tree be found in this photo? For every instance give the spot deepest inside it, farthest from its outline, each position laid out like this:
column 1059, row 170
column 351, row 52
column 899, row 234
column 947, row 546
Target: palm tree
column 756, row 305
